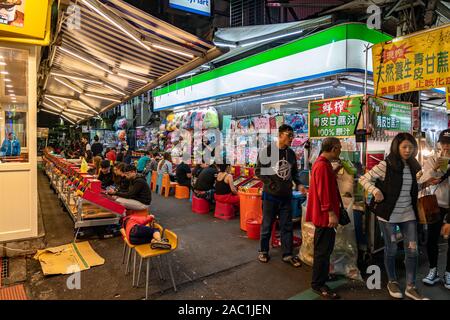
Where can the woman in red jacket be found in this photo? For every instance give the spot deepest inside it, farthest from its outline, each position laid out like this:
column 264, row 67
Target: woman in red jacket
column 323, row 212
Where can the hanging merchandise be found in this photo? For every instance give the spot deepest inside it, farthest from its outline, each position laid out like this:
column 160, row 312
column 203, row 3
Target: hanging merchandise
column 211, row 119
column 298, row 122
column 120, row 123
column 170, row 124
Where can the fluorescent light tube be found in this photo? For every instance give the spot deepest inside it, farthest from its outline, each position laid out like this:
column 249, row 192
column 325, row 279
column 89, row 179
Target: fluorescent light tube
column 113, row 89
column 117, row 25
column 157, row 46
column 85, row 60
column 48, row 111
column 69, row 86
column 79, row 112
column 130, row 77
column 75, row 77
column 93, row 95
column 50, row 107
column 60, row 97
column 87, row 106
column 66, row 118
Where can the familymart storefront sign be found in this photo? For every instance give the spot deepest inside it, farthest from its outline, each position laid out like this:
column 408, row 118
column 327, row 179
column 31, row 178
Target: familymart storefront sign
column 335, row 50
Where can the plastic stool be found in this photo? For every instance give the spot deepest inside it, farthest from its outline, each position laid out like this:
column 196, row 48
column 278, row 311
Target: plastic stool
column 276, row 237
column 182, row 192
column 199, row 205
column 224, row 211
column 153, row 180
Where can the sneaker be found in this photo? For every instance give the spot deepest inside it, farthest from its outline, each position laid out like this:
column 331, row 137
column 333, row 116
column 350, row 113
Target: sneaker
column 432, row 278
column 394, row 290
column 447, row 280
column 412, row 293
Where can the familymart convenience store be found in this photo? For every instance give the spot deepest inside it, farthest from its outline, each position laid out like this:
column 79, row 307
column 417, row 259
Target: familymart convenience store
column 327, row 64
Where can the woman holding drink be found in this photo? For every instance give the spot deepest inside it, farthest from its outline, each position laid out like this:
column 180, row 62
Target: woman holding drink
column 436, row 167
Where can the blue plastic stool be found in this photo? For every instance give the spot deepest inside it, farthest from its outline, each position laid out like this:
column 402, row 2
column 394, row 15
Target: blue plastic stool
column 190, row 196
column 296, row 202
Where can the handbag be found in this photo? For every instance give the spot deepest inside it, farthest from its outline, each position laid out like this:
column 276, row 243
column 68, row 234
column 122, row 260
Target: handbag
column 428, row 208
column 344, row 218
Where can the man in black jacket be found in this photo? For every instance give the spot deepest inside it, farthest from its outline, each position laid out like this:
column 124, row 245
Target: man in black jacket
column 277, row 168
column 139, row 195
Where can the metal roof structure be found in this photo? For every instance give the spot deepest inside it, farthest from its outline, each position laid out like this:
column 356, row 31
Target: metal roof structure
column 106, row 52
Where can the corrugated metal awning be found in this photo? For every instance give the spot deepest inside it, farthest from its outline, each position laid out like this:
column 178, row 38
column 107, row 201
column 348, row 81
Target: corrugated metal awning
column 107, row 52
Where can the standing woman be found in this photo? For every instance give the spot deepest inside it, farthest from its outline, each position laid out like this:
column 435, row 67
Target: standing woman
column 394, row 187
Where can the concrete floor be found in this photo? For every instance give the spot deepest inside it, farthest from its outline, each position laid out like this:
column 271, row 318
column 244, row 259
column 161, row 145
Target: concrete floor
column 214, row 260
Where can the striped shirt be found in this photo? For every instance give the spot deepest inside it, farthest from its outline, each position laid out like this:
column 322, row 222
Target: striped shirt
column 403, row 210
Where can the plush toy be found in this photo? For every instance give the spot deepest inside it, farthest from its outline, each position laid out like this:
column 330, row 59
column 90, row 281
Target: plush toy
column 210, row 119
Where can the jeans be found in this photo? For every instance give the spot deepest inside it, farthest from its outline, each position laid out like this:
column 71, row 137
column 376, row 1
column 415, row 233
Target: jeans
column 132, row 204
column 409, row 232
column 141, row 234
column 272, row 209
column 434, row 234
column 324, row 239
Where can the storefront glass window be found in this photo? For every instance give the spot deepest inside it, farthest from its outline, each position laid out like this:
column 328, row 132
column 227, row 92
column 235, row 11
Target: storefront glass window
column 13, row 105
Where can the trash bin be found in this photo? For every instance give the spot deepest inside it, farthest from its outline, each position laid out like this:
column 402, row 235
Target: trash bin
column 250, row 206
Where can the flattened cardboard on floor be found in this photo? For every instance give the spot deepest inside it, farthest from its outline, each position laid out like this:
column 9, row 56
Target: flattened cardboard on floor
column 68, row 258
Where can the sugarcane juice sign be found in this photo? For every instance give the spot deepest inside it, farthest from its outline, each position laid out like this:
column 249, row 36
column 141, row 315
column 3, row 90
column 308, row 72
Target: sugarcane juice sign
column 416, row 62
column 389, row 115
column 336, row 117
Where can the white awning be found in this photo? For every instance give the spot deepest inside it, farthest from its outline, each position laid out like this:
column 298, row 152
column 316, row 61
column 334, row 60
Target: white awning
column 107, row 52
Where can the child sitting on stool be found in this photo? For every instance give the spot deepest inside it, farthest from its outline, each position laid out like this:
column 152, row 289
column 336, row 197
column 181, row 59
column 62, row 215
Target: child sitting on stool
column 138, row 232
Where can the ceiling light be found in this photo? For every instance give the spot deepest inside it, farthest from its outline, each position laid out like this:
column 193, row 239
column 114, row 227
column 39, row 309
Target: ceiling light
column 7, row 80
column 54, row 102
column 66, row 118
column 9, row 85
column 157, row 46
column 4, row 72
column 48, row 111
column 131, row 77
column 79, row 112
column 51, row 107
column 75, row 77
column 69, row 86
column 60, row 97
column 113, row 89
column 85, row 60
column 87, row 106
column 2, row 63
column 93, row 95
column 123, row 29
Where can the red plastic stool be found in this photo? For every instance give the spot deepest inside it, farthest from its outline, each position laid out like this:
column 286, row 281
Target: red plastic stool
column 224, row 211
column 276, row 237
column 199, row 205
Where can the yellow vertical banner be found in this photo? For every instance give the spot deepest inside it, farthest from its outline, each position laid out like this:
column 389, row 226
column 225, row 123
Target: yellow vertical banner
column 419, row 61
column 447, row 97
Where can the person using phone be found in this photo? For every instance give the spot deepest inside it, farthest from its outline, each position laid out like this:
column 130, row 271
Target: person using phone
column 436, row 167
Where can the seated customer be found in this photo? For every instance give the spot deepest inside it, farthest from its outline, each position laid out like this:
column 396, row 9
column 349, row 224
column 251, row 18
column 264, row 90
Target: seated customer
column 106, row 175
column 165, row 166
column 204, row 186
column 138, row 232
column 225, row 190
column 142, row 162
column 138, row 196
column 183, row 174
column 120, row 180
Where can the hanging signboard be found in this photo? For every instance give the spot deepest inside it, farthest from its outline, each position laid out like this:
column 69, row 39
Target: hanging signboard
column 416, row 62
column 335, row 117
column 388, row 117
column 202, row 7
column 42, row 133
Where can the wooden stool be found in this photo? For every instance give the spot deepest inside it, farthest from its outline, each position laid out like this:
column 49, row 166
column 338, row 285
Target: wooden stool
column 181, row 192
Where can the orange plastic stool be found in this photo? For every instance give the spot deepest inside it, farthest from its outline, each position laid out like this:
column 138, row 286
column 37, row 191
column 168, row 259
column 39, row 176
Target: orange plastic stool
column 182, row 192
column 166, row 185
column 224, row 211
column 138, row 212
column 153, row 180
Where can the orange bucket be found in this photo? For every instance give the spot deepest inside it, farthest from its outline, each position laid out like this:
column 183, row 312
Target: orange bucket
column 250, row 207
